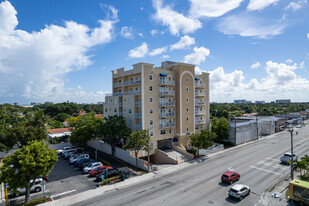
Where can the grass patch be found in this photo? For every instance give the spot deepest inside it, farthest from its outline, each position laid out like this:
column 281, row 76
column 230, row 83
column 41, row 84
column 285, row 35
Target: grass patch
column 36, row 201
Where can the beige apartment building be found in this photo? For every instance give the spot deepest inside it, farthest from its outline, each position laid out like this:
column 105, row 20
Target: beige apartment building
column 170, row 101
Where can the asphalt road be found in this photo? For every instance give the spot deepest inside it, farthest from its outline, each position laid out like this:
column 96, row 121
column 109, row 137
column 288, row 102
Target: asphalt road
column 258, row 164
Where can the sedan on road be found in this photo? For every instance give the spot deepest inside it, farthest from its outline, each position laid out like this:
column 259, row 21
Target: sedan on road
column 230, row 177
column 239, row 191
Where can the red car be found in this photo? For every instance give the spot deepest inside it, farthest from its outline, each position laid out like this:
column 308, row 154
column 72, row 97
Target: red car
column 99, row 170
column 230, row 177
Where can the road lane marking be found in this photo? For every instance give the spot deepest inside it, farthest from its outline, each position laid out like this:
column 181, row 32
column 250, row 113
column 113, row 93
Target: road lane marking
column 230, row 168
column 272, row 159
column 63, row 193
column 266, row 170
column 195, row 179
column 184, row 174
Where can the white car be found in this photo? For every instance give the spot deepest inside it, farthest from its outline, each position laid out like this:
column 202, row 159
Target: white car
column 239, row 191
column 298, row 126
column 69, row 153
column 60, row 151
column 36, row 187
column 92, row 166
column 285, row 159
column 76, row 158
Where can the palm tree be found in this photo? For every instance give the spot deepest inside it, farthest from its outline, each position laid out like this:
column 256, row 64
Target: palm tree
column 300, row 166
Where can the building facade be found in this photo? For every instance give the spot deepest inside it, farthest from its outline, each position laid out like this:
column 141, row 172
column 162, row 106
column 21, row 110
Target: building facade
column 170, row 101
column 240, row 101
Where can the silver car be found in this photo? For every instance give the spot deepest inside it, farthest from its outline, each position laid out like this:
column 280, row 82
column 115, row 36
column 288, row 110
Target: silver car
column 285, row 159
column 239, row 191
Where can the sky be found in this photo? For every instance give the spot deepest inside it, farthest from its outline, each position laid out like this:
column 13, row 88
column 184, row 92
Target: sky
column 60, row 51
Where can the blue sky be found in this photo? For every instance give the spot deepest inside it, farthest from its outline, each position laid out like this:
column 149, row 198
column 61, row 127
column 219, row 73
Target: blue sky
column 65, row 50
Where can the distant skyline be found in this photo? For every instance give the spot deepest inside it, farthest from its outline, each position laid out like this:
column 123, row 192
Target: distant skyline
column 65, row 50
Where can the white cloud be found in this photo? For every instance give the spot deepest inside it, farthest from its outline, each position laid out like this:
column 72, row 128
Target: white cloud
column 289, row 61
column 280, row 81
column 53, row 52
column 256, row 65
column 308, row 36
column 165, row 56
column 139, row 52
column 212, row 8
column 176, row 22
column 126, row 32
column 247, row 25
column 294, row 6
column 260, row 4
column 140, row 34
column 183, row 43
column 154, row 32
column 199, row 55
column 158, row 51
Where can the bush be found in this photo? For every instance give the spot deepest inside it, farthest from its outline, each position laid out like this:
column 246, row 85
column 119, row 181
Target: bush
column 109, row 179
column 36, row 201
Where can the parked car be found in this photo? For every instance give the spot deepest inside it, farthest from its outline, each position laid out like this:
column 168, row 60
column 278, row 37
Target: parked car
column 85, row 163
column 79, row 162
column 298, row 126
column 99, row 170
column 68, row 154
column 285, row 159
column 81, row 156
column 36, row 187
column 107, row 174
column 60, row 151
column 230, row 177
column 92, row 166
column 239, row 191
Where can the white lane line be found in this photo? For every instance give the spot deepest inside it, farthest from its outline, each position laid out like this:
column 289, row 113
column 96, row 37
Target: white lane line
column 195, row 180
column 266, row 170
column 184, row 174
column 272, row 159
column 63, row 193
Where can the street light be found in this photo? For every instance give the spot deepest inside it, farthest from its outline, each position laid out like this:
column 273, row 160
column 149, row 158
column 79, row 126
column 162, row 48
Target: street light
column 290, row 129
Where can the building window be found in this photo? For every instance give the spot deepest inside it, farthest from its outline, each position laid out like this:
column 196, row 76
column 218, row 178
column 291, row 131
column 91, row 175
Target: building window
column 151, row 122
column 151, row 111
column 115, row 101
column 187, row 129
column 105, row 110
column 187, row 79
column 187, row 119
column 187, row 99
column 151, row 133
column 130, row 111
column 150, row 99
column 196, row 127
column 129, row 100
column 187, row 89
column 150, row 77
column 115, row 110
column 162, row 132
column 187, row 109
column 150, row 88
column 170, row 131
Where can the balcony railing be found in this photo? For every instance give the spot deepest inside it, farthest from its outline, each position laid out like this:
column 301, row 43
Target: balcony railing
column 200, row 121
column 165, row 82
column 199, row 93
column 199, row 112
column 120, row 114
column 120, row 104
column 138, row 115
column 136, row 81
column 118, row 94
column 119, row 84
column 138, row 126
column 167, row 93
column 167, row 125
column 199, row 103
column 166, row 104
column 199, row 85
column 136, row 92
column 138, row 104
column 167, row 114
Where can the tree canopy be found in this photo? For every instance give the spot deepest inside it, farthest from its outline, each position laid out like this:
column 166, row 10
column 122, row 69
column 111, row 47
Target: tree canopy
column 28, row 163
column 221, row 128
column 202, row 140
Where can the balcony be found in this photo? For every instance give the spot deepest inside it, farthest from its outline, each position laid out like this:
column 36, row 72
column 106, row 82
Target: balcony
column 167, row 114
column 119, row 84
column 200, row 121
column 120, row 114
column 166, row 82
column 199, row 85
column 167, row 125
column 136, row 92
column 133, row 82
column 117, row 94
column 199, row 112
column 138, row 115
column 199, row 94
column 138, row 104
column 120, row 104
column 167, row 93
column 167, row 104
column 200, row 104
column 138, row 126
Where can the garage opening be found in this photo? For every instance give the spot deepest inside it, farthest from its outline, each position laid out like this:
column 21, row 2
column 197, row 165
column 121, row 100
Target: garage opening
column 165, row 144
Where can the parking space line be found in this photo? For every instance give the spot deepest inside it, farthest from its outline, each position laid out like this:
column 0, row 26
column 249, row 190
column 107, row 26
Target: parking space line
column 272, row 159
column 266, row 170
column 63, row 193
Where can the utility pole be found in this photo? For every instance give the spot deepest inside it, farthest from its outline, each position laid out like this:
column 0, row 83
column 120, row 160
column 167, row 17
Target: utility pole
column 290, row 129
column 257, row 127
column 148, row 148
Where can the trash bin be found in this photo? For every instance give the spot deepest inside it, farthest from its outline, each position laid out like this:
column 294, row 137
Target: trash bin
column 122, row 177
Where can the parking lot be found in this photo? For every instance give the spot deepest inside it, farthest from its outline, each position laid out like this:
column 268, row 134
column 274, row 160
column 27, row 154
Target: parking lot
column 65, row 180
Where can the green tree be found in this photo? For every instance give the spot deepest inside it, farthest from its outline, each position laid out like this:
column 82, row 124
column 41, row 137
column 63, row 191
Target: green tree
column 114, row 129
column 89, row 128
column 26, row 164
column 221, row 128
column 301, row 166
column 137, row 141
column 202, row 140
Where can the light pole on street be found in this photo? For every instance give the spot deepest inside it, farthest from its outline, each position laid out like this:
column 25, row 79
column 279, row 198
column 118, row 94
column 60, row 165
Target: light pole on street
column 290, row 129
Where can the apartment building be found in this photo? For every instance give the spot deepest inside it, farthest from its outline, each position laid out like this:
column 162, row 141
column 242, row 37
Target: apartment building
column 170, row 101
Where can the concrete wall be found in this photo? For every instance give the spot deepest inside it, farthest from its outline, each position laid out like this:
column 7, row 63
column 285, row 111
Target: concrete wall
column 162, row 158
column 119, row 153
column 267, row 127
column 245, row 132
